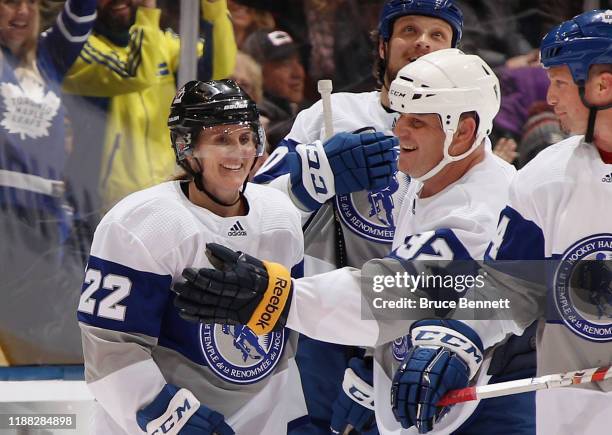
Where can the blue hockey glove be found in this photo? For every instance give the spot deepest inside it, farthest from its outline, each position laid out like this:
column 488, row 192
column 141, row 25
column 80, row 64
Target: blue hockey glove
column 345, row 163
column 355, row 403
column 445, row 355
column 178, row 412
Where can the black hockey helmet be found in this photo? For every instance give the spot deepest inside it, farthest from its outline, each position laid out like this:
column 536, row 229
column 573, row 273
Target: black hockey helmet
column 205, row 104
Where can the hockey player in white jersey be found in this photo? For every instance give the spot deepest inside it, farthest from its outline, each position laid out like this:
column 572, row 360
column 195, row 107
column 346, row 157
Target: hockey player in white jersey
column 352, row 225
column 559, row 209
column 448, row 101
column 149, row 370
column 559, row 213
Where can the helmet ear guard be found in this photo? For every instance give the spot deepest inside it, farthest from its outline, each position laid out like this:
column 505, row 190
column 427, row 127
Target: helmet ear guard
column 448, row 83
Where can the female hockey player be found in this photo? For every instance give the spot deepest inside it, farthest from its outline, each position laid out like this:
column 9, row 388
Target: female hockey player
column 148, row 368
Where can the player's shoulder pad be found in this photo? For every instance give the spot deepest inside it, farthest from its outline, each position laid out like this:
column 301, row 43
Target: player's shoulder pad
column 274, row 206
column 157, row 216
column 548, row 168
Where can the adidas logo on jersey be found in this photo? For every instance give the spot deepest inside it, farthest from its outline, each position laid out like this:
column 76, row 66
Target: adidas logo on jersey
column 607, row 178
column 237, row 230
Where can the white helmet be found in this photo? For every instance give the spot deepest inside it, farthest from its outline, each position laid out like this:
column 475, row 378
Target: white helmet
column 448, row 82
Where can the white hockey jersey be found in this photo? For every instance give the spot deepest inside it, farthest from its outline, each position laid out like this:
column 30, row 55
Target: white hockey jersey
column 134, row 341
column 560, row 210
column 367, row 219
column 457, row 223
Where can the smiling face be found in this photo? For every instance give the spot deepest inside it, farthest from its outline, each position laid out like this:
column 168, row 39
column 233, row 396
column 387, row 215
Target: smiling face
column 413, row 36
column 19, row 24
column 564, row 97
column 421, row 143
column 226, row 154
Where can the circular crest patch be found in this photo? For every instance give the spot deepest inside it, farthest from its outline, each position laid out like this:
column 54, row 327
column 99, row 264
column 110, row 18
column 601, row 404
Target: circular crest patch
column 370, row 214
column 583, row 288
column 236, row 354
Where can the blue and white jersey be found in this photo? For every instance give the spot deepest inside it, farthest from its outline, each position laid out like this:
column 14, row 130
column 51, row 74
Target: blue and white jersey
column 368, row 219
column 32, row 134
column 134, row 341
column 559, row 209
column 454, row 224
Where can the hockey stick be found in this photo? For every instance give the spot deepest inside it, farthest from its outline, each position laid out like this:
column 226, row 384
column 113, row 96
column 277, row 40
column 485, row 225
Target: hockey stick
column 325, row 88
column 524, row 385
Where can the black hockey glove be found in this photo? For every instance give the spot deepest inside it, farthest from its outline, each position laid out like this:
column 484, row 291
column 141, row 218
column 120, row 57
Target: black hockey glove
column 240, row 290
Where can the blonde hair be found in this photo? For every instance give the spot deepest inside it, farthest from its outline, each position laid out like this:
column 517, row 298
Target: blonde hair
column 27, row 52
column 253, row 71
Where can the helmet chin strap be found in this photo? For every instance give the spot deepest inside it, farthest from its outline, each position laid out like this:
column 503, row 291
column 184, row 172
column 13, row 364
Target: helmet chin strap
column 447, row 157
column 198, row 179
column 593, row 109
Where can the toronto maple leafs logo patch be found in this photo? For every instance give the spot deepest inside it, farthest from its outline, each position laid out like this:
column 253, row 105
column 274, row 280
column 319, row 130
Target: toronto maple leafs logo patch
column 28, row 115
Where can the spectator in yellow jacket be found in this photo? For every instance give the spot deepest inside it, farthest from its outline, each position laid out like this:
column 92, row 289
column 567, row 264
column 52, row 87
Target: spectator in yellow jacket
column 127, row 71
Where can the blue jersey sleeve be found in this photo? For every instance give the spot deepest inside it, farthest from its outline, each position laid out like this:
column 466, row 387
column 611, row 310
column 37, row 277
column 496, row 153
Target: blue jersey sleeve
column 61, row 45
column 120, row 298
column 516, row 238
column 277, row 163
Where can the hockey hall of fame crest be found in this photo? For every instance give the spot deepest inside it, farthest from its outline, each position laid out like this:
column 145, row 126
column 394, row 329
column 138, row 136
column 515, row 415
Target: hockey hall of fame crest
column 237, row 355
column 582, row 288
column 370, row 214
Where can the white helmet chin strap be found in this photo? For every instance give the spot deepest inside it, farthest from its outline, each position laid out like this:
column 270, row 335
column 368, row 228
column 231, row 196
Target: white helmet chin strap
column 447, row 157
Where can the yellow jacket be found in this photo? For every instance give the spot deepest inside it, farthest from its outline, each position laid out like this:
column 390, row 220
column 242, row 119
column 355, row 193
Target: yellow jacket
column 131, row 88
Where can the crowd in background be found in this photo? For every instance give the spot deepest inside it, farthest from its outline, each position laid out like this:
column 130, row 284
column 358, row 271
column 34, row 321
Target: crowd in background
column 84, row 107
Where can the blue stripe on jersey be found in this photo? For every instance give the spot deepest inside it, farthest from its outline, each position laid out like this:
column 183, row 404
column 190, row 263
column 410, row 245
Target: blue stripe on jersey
column 55, row 49
column 277, row 164
column 517, row 238
column 120, row 298
column 180, row 335
column 297, row 271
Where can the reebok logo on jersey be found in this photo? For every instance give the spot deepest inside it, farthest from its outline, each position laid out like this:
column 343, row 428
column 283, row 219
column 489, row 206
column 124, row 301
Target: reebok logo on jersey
column 237, row 230
column 607, row 178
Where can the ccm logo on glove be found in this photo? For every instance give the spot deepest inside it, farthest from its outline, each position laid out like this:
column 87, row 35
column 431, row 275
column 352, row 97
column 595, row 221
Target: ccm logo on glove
column 314, row 163
column 182, row 406
column 440, row 336
column 271, row 306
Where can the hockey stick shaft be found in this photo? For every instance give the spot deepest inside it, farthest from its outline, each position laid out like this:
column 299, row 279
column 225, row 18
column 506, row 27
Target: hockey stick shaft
column 325, row 88
column 524, row 385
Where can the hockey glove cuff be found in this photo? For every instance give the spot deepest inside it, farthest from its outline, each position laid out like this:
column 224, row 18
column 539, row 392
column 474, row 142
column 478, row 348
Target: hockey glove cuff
column 345, row 163
column 178, row 412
